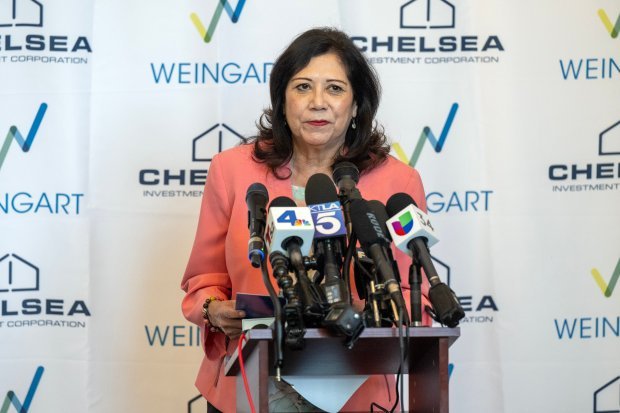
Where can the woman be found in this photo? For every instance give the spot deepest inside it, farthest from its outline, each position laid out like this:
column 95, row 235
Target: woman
column 324, row 97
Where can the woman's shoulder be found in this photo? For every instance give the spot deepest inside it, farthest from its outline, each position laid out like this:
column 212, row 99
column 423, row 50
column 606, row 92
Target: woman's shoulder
column 237, row 167
column 239, row 153
column 392, row 176
column 393, row 167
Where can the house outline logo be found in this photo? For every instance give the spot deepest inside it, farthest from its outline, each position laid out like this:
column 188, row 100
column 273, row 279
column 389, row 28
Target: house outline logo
column 17, row 274
column 609, row 140
column 443, row 270
column 612, row 29
column 427, row 14
column 613, row 389
column 427, row 135
column 207, row 33
column 15, row 135
column 13, row 13
column 12, row 399
column 221, row 129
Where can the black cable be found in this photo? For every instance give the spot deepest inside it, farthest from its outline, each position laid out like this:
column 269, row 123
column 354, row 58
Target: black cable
column 401, row 354
column 373, row 405
column 398, row 374
column 346, row 266
column 407, row 347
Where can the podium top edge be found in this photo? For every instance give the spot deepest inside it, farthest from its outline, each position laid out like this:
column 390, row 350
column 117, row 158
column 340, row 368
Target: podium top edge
column 374, row 332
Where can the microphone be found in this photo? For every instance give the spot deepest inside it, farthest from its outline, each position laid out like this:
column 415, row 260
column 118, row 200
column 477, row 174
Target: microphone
column 408, row 223
column 329, row 236
column 377, row 208
column 380, row 212
column 256, row 199
column 288, row 225
column 346, row 176
column 329, row 230
column 289, row 235
column 373, row 242
column 413, row 233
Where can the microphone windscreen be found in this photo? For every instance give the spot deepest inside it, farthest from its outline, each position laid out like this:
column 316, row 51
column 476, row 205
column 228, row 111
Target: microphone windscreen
column 377, row 208
column 282, row 201
column 343, row 169
column 257, row 189
column 367, row 231
column 398, row 202
column 320, row 190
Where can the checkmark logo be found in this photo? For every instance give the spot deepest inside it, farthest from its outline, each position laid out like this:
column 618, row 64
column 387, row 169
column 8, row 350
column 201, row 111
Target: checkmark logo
column 606, row 288
column 427, row 135
column 12, row 399
column 612, row 29
column 207, row 34
column 15, row 135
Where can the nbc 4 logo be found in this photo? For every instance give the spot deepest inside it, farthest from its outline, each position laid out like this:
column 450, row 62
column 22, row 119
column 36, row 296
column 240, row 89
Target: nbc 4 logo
column 12, row 399
column 15, row 135
column 427, row 135
column 606, row 288
column 207, row 33
column 612, row 29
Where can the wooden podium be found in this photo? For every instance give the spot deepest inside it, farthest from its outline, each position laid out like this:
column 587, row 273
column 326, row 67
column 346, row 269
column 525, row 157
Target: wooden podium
column 375, row 352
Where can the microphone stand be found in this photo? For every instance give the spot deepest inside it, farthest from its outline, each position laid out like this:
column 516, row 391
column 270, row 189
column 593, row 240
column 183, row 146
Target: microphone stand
column 278, row 329
column 448, row 311
column 415, row 296
column 370, row 294
column 346, row 265
column 295, row 329
column 379, row 305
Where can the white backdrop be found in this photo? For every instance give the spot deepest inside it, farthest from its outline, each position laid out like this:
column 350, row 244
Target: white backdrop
column 110, row 112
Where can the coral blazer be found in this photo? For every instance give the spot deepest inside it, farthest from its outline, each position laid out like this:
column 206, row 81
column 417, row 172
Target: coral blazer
column 218, row 265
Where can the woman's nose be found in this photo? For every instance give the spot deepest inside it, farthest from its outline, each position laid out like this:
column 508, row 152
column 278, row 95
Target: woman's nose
column 318, row 100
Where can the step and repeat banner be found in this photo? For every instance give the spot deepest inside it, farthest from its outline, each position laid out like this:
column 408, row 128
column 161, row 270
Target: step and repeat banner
column 110, row 112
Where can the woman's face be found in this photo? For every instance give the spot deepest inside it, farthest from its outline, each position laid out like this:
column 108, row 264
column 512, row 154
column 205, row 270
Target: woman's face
column 319, row 104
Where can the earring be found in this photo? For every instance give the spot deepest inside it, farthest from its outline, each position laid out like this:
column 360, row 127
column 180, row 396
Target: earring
column 353, row 125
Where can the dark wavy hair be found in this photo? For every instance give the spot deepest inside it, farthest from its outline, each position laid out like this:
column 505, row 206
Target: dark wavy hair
column 365, row 146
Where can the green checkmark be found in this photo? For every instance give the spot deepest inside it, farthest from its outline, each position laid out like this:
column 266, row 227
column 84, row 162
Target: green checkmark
column 607, row 289
column 613, row 29
column 222, row 5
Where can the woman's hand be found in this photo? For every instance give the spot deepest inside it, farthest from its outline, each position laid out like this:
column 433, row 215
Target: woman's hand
column 222, row 314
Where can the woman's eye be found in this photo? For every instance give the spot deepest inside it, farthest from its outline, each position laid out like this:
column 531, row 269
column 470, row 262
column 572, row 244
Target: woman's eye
column 335, row 88
column 302, row 86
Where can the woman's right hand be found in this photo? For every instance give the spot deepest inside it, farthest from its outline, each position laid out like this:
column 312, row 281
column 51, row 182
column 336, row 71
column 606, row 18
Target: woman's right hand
column 222, row 314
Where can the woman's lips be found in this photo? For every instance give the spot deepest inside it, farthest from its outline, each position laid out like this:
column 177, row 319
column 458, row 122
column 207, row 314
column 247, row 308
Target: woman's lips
column 318, row 122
